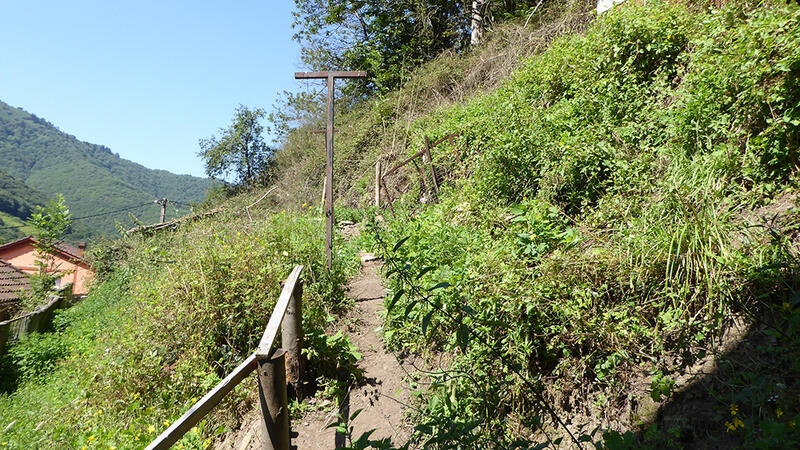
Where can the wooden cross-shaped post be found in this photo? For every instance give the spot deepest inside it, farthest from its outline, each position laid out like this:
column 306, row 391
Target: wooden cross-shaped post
column 329, row 219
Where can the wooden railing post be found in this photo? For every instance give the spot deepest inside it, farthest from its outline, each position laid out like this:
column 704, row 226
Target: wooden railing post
column 274, row 404
column 430, row 162
column 293, row 341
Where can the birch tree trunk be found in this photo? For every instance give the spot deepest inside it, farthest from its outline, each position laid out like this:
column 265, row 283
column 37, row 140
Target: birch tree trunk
column 477, row 24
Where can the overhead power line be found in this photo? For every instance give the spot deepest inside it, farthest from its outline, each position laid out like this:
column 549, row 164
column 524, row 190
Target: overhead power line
column 89, row 216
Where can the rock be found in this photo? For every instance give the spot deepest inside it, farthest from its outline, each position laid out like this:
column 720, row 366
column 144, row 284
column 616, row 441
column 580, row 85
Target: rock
column 367, row 257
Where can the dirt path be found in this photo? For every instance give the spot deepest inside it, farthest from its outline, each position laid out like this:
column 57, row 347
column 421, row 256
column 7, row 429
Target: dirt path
column 384, row 392
column 382, row 395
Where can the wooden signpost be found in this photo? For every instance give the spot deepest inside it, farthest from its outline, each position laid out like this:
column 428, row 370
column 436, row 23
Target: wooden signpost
column 329, row 218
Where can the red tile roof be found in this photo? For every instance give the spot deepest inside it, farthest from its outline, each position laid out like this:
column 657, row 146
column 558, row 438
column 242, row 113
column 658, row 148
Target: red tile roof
column 69, row 249
column 66, row 249
column 12, row 283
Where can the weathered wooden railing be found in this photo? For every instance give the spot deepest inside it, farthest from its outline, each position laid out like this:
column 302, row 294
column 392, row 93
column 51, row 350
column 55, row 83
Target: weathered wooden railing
column 37, row 320
column 427, row 160
column 273, row 369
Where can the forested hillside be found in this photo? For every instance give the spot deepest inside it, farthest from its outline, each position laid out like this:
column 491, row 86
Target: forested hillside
column 17, row 202
column 92, row 179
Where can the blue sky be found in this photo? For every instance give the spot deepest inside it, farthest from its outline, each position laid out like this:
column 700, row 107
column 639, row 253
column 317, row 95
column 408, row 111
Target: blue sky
column 145, row 78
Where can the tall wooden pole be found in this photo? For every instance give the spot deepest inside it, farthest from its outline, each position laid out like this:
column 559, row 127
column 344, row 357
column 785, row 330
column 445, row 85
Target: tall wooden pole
column 329, row 217
column 430, row 165
column 329, row 175
column 163, row 210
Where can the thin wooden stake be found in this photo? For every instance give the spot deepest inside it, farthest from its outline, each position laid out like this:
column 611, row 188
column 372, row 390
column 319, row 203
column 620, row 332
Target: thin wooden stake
column 422, row 178
column 430, row 161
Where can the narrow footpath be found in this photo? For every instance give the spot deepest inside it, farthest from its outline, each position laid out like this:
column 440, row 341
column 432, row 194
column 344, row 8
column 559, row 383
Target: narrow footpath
column 382, row 395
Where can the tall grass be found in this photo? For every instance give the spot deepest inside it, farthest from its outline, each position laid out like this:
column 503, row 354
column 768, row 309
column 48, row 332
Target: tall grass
column 179, row 311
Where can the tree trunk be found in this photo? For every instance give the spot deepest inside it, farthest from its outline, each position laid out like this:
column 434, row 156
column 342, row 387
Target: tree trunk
column 478, row 21
column 249, row 174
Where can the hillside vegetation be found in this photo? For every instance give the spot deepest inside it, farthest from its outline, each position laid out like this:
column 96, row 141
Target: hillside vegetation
column 17, row 202
column 612, row 264
column 174, row 314
column 629, row 194
column 92, row 179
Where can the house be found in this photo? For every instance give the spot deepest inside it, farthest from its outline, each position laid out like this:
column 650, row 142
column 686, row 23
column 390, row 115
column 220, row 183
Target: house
column 13, row 285
column 67, row 259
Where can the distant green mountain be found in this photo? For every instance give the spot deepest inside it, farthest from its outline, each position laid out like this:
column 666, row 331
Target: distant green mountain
column 17, row 202
column 39, row 161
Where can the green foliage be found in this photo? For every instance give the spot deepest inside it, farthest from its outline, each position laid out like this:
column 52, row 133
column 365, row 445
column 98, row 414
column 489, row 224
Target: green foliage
column 179, row 312
column 35, row 355
column 50, row 223
column 661, row 387
column 604, row 225
column 387, row 39
column 240, row 151
column 17, row 200
column 335, row 356
column 390, row 39
column 92, row 179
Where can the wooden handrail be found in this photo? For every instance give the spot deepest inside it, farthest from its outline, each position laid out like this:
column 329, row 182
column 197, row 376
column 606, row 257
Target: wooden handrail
column 274, row 324
column 203, row 406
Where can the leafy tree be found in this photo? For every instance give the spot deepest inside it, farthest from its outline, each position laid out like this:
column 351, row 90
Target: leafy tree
column 389, row 38
column 51, row 223
column 240, row 151
column 385, row 38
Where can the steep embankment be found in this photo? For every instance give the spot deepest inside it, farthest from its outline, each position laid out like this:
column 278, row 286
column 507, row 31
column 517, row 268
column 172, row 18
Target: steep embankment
column 617, row 248
column 620, row 202
column 92, row 179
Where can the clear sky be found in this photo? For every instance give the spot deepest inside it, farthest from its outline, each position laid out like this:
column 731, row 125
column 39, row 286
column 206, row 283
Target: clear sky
column 145, row 78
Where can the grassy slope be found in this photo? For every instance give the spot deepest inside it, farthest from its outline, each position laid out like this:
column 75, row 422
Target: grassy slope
column 8, row 220
column 177, row 312
column 628, row 193
column 91, row 178
column 17, row 202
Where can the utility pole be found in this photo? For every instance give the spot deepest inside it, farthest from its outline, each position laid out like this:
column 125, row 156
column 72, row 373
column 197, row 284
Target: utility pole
column 329, row 218
column 163, row 203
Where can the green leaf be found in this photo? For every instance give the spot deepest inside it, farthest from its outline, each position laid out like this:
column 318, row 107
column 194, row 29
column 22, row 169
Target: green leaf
column 426, row 321
column 356, row 413
column 399, row 243
column 396, row 297
column 409, row 307
column 441, row 285
column 424, row 271
column 462, row 337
